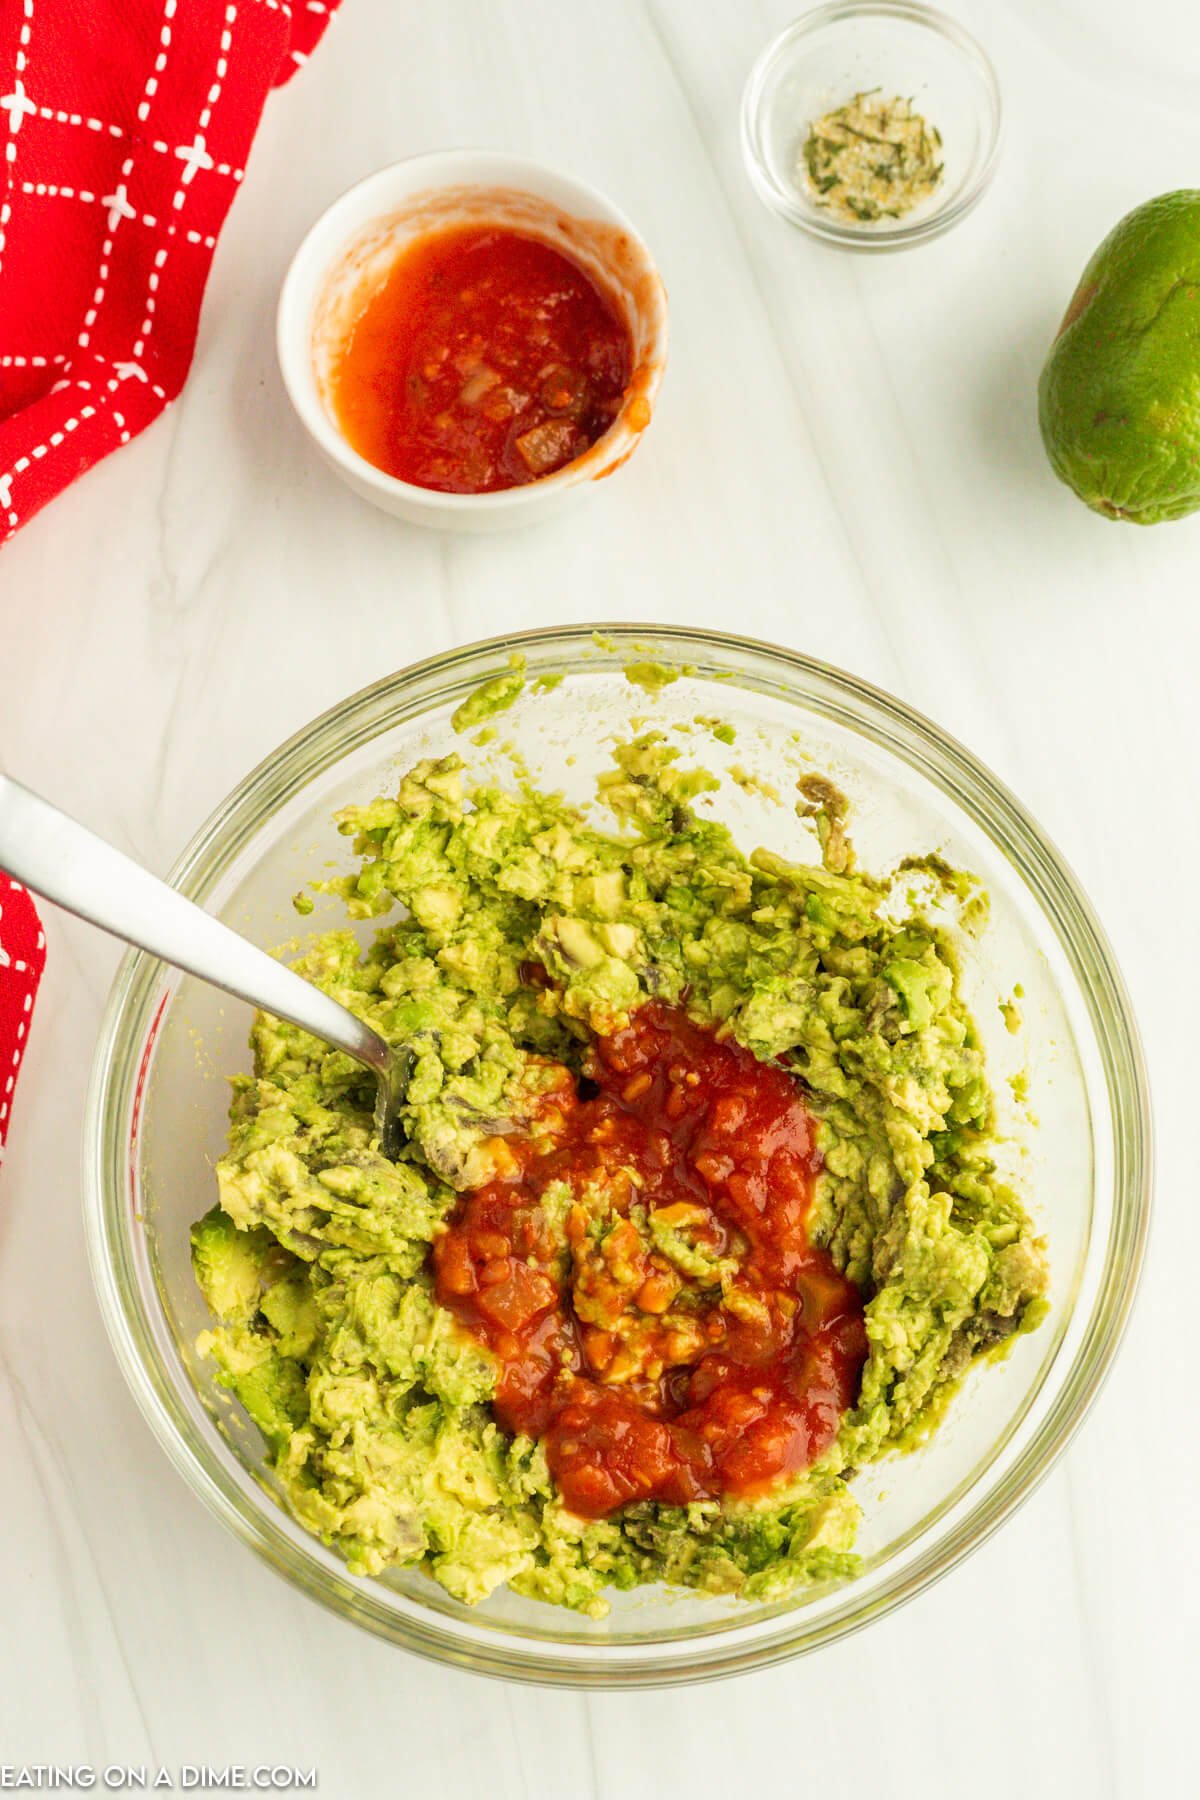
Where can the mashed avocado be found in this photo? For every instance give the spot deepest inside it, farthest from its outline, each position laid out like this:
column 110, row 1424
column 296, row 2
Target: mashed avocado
column 374, row 1404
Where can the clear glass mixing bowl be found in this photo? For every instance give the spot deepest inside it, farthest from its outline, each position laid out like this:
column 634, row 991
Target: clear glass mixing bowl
column 157, row 1108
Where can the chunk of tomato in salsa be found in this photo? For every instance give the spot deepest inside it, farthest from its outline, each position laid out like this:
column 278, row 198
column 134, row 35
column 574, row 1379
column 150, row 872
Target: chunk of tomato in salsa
column 485, row 359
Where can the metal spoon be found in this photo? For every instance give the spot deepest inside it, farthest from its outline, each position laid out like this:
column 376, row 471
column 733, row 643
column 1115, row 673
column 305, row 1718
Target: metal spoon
column 63, row 861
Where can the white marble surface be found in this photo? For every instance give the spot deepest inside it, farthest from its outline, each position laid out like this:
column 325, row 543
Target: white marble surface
column 845, row 460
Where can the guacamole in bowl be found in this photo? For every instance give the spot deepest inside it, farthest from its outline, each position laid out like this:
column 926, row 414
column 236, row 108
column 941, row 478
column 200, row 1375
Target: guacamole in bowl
column 697, row 1215
column 757, row 1237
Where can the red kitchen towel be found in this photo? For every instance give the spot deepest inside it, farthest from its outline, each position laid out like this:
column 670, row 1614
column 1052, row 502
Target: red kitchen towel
column 126, row 125
column 22, row 955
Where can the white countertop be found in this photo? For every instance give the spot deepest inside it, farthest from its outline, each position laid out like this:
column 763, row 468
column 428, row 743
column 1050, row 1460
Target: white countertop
column 845, row 460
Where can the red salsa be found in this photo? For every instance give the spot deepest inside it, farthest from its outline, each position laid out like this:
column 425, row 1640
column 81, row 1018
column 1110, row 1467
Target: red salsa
column 689, row 1341
column 486, row 359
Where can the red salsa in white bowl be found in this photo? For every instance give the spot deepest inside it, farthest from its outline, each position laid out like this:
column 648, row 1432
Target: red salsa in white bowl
column 470, row 338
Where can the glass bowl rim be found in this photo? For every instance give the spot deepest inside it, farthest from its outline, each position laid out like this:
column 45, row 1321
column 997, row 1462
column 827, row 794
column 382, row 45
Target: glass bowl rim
column 855, row 237
column 129, row 1023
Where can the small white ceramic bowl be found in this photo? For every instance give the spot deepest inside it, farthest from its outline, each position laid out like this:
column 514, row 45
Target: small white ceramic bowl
column 349, row 251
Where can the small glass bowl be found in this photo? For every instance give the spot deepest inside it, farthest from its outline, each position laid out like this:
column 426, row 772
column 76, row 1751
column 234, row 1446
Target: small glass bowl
column 836, row 51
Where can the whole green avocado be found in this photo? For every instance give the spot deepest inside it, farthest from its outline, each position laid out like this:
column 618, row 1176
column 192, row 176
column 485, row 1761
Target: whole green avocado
column 1119, row 397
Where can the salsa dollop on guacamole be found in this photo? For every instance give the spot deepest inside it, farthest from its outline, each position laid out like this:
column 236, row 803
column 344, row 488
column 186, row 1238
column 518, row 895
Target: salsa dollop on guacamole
column 698, row 1211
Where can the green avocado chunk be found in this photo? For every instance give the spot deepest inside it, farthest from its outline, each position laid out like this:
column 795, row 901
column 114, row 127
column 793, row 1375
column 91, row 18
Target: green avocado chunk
column 373, row 1404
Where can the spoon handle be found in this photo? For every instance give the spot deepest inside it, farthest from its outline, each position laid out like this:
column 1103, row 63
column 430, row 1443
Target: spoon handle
column 65, row 862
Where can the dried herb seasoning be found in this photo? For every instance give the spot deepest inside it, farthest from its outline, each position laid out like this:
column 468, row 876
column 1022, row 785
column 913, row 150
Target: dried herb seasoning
column 872, row 159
